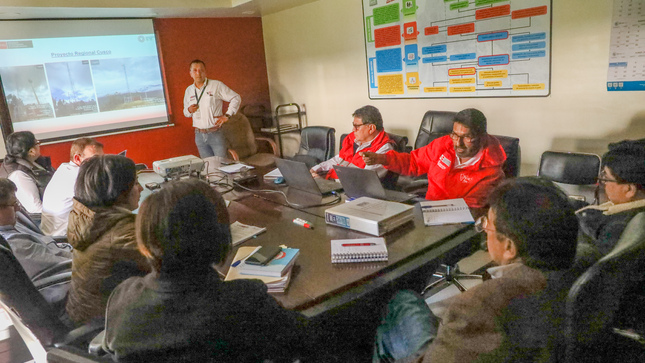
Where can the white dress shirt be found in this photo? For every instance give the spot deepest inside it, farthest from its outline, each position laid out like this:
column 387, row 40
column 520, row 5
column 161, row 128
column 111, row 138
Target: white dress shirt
column 57, row 200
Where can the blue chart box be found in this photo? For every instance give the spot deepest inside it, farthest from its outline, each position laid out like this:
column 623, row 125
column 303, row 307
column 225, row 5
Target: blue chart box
column 525, row 55
column 434, row 49
column 528, row 37
column 389, row 60
column 492, row 36
column 465, row 56
column 529, row 46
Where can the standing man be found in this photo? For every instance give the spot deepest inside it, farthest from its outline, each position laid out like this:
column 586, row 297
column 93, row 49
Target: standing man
column 57, row 199
column 203, row 102
column 367, row 135
column 467, row 163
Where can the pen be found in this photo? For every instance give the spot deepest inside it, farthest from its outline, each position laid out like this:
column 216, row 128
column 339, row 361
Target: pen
column 437, row 206
column 358, row 244
column 234, row 264
column 302, row 222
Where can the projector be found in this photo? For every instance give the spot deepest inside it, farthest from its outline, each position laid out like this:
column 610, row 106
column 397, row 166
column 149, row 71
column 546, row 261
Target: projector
column 181, row 165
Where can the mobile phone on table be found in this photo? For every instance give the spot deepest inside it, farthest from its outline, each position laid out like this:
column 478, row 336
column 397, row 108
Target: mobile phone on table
column 263, row 256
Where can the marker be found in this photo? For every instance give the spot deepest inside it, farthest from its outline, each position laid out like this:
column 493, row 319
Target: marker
column 302, row 222
column 358, row 244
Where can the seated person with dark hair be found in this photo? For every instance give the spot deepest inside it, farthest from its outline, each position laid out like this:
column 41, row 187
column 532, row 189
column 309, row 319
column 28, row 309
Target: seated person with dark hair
column 623, row 177
column 182, row 311
column 20, row 166
column 35, row 251
column 465, row 164
column 367, row 135
column 101, row 230
column 531, row 232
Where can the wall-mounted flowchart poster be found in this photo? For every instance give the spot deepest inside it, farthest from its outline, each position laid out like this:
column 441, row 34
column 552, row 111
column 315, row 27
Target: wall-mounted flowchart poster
column 627, row 49
column 458, row 48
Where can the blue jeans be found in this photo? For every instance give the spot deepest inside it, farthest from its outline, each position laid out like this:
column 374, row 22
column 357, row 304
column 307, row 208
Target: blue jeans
column 408, row 327
column 211, row 144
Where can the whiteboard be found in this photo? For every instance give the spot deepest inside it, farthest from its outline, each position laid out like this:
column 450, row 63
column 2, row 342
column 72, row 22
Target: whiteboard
column 453, row 48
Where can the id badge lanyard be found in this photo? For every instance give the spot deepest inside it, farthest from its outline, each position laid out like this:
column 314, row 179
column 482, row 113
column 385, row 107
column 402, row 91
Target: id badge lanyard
column 199, row 114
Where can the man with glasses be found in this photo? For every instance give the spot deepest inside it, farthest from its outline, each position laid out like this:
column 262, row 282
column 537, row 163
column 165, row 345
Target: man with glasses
column 623, row 179
column 367, row 136
column 35, row 252
column 517, row 312
column 465, row 164
column 57, row 199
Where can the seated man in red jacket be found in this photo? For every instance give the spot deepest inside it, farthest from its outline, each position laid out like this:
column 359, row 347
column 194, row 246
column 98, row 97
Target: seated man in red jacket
column 368, row 135
column 465, row 164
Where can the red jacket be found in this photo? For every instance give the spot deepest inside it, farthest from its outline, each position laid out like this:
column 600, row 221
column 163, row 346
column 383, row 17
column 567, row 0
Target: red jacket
column 347, row 151
column 437, row 159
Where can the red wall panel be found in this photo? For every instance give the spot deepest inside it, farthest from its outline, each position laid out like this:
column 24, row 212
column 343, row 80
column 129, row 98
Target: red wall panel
column 233, row 50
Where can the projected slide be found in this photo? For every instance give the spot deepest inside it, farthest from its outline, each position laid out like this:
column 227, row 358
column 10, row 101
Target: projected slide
column 59, row 86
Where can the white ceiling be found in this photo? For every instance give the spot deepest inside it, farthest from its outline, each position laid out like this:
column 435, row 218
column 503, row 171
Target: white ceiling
column 46, row 9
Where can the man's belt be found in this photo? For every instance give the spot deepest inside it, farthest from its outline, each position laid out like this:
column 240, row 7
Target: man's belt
column 208, row 130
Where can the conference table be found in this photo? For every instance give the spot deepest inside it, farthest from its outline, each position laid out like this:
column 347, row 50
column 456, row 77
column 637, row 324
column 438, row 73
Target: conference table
column 343, row 296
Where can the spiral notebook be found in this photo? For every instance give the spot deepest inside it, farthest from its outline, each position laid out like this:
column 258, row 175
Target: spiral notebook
column 358, row 250
column 448, row 211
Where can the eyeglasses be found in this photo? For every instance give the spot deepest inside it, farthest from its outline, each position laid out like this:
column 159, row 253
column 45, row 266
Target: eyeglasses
column 605, row 180
column 356, row 127
column 481, row 225
column 15, row 204
column 466, row 138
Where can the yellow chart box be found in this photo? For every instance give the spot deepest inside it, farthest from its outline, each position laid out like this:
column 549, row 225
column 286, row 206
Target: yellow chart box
column 390, row 84
column 412, row 79
column 461, row 71
column 493, row 84
column 435, row 89
column 528, row 86
column 462, row 89
column 501, row 73
column 462, row 80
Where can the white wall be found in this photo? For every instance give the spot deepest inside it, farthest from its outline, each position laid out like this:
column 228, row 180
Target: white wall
column 316, row 56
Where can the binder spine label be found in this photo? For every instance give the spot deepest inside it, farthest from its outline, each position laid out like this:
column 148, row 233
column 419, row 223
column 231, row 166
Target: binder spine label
column 337, row 220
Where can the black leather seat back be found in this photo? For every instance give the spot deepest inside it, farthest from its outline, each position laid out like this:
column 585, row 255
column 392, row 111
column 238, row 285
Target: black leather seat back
column 434, row 125
column 608, row 294
column 19, row 294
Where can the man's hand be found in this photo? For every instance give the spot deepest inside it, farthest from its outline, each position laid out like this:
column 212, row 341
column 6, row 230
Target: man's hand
column 220, row 121
column 371, row 158
column 193, row 108
column 314, row 174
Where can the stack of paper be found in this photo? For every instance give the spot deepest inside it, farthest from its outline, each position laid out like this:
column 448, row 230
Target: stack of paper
column 241, row 232
column 274, row 284
column 447, row 211
column 277, row 267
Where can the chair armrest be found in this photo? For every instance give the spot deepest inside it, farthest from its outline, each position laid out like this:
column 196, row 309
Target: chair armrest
column 96, row 345
column 234, row 155
column 271, row 143
column 50, row 280
column 53, row 270
column 416, row 186
column 81, row 335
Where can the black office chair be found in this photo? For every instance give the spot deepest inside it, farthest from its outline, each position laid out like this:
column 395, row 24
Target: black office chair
column 604, row 321
column 37, row 322
column 576, row 173
column 390, row 180
column 317, row 144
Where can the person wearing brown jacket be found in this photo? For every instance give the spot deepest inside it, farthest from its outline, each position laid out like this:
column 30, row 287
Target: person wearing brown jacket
column 101, row 230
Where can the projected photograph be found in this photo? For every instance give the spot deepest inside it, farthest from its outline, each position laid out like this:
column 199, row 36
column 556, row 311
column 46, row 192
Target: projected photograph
column 27, row 94
column 127, row 83
column 71, row 88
